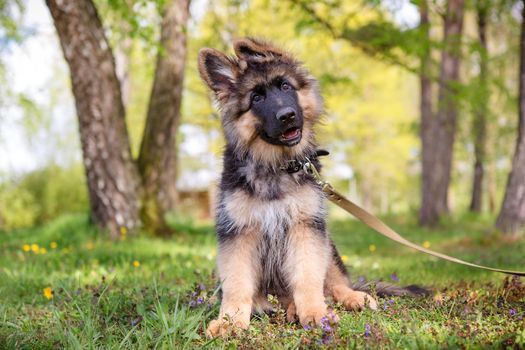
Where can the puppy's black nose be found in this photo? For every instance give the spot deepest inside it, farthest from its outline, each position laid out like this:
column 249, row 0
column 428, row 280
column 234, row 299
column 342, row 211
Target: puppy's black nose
column 285, row 115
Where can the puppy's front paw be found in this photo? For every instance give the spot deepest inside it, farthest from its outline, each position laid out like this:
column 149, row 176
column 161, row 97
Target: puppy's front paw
column 224, row 327
column 217, row 327
column 355, row 300
column 317, row 316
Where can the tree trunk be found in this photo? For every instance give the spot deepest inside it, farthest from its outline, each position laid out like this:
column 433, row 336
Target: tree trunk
column 425, row 106
column 438, row 133
column 479, row 126
column 158, row 153
column 111, row 174
column 122, row 66
column 511, row 219
column 492, row 186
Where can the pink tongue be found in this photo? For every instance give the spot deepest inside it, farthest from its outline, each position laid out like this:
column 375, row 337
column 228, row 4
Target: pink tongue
column 290, row 134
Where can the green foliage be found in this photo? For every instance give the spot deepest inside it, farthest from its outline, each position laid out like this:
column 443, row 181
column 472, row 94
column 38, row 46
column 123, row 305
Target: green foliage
column 146, row 292
column 33, row 118
column 42, row 195
column 10, row 17
column 137, row 19
column 18, row 208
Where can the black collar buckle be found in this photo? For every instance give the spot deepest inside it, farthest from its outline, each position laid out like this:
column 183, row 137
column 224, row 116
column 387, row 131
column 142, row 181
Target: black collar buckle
column 294, row 165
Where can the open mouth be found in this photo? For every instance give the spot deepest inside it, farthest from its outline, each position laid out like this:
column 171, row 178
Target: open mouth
column 291, row 135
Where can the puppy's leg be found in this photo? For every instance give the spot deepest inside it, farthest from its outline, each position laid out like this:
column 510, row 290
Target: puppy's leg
column 261, row 305
column 338, row 286
column 288, row 304
column 306, row 266
column 238, row 268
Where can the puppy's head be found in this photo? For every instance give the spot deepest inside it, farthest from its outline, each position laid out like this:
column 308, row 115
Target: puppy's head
column 268, row 100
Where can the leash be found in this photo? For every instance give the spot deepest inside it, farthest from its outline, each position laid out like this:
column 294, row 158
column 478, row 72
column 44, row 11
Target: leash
column 379, row 226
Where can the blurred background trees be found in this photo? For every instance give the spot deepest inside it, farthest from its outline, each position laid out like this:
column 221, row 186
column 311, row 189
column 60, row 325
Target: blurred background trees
column 421, row 105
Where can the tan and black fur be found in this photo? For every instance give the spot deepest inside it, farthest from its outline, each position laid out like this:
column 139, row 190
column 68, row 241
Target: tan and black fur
column 271, row 223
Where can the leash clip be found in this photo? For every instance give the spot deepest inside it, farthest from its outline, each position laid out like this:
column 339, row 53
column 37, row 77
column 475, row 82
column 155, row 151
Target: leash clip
column 309, row 169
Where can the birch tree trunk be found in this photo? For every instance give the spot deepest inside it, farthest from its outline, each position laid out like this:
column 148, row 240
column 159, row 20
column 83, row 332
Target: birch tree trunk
column 111, row 174
column 158, row 153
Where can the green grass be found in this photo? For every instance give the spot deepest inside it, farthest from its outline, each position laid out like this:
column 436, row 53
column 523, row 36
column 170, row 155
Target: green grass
column 101, row 300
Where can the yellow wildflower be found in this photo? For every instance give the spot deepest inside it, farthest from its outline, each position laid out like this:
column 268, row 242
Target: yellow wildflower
column 90, row 245
column 439, row 298
column 372, row 248
column 344, row 258
column 136, row 263
column 53, row 245
column 34, row 247
column 26, row 247
column 426, row 244
column 42, row 250
column 123, row 230
column 48, row 292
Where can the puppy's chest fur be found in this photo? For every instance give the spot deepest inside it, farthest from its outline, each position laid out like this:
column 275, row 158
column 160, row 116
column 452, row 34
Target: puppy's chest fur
column 269, row 204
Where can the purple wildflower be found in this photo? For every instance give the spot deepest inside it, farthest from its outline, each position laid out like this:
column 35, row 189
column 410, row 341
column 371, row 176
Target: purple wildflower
column 307, row 327
column 325, row 324
column 385, row 306
column 200, row 301
column 394, row 277
column 326, row 339
column 512, row 312
column 367, row 330
column 391, row 301
column 193, row 303
column 136, row 321
column 362, row 279
column 202, row 287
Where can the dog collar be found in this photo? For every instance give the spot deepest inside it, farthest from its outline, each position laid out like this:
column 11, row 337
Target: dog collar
column 294, row 165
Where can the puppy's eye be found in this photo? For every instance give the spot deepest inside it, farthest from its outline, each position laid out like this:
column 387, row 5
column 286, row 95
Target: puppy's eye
column 285, row 86
column 257, row 97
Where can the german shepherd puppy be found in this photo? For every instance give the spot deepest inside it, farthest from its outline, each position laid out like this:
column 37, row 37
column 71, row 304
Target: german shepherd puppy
column 270, row 218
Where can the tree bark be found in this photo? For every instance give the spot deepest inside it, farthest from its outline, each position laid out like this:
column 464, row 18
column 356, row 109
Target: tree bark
column 158, row 153
column 111, row 173
column 438, row 133
column 479, row 126
column 425, row 103
column 511, row 218
column 122, row 67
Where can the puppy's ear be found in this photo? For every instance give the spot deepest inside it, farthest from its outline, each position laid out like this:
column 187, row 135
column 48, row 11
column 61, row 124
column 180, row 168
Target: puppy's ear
column 218, row 71
column 251, row 49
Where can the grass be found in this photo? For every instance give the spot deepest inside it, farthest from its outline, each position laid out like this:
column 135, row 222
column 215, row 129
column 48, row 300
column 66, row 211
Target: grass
column 146, row 292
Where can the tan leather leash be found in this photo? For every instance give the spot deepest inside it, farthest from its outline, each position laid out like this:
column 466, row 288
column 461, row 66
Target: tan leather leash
column 376, row 224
